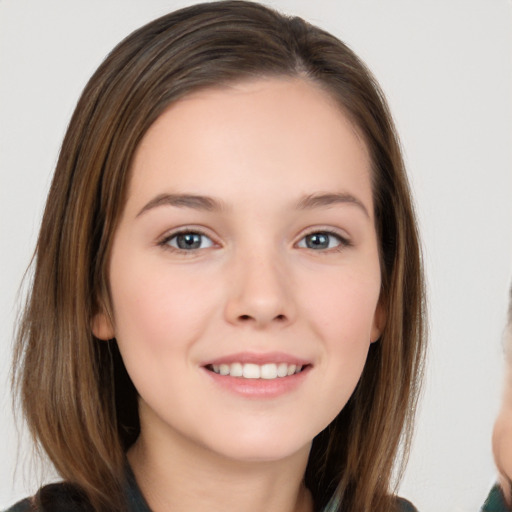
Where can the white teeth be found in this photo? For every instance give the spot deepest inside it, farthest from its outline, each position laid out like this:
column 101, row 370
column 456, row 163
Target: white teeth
column 236, row 370
column 267, row 371
column 291, row 369
column 282, row 370
column 251, row 371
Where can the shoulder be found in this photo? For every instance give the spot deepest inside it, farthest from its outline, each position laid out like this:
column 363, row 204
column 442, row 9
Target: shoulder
column 21, row 506
column 394, row 503
column 66, row 497
column 403, row 505
column 60, row 497
column 495, row 502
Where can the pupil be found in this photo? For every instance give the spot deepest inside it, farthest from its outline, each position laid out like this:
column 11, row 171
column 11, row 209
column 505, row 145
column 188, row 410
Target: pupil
column 189, row 241
column 317, row 241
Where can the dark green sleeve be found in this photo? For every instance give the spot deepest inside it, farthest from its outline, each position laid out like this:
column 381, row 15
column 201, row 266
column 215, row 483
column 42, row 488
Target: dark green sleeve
column 60, row 497
column 405, row 506
column 495, row 502
column 21, row 506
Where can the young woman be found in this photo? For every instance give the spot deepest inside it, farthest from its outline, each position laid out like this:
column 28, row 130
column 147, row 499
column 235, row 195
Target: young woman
column 227, row 306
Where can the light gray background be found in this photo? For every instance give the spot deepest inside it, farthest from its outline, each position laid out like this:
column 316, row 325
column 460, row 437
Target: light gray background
column 446, row 66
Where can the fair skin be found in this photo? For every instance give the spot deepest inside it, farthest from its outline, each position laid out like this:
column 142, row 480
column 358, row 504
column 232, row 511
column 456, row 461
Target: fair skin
column 246, row 248
column 502, row 438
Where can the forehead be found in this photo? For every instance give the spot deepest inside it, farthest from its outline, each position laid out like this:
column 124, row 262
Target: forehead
column 255, row 100
column 254, row 136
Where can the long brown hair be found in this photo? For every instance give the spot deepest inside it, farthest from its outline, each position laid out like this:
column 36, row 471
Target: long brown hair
column 77, row 398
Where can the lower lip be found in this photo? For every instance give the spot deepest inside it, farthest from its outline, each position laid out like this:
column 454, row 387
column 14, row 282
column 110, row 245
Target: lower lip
column 259, row 388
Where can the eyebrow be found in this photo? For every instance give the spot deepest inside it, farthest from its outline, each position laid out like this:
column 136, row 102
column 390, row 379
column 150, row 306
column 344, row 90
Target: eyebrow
column 210, row 204
column 322, row 200
column 183, row 201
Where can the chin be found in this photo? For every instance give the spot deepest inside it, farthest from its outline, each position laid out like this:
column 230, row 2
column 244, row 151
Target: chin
column 255, row 447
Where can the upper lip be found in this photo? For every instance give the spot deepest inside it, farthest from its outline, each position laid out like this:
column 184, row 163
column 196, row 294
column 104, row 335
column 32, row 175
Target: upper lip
column 258, row 358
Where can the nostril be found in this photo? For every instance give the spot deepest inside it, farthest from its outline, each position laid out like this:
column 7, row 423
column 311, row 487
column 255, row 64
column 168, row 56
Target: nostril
column 245, row 317
column 280, row 318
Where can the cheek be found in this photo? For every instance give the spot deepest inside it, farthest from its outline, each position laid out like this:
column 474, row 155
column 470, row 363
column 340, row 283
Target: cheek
column 342, row 314
column 158, row 309
column 159, row 315
column 343, row 306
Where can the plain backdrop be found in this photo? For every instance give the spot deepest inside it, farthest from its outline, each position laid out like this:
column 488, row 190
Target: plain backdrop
column 446, row 67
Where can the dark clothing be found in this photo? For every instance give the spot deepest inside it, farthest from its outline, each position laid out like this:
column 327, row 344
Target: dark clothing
column 495, row 502
column 63, row 497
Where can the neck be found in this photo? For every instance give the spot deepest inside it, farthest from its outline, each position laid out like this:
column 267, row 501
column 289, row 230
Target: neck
column 182, row 477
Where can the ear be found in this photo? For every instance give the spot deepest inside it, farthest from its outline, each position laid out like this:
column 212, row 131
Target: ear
column 379, row 322
column 102, row 327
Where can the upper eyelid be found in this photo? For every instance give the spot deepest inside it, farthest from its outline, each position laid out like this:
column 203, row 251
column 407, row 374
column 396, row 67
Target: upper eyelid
column 341, row 239
column 341, row 233
column 169, row 235
column 338, row 232
column 186, row 229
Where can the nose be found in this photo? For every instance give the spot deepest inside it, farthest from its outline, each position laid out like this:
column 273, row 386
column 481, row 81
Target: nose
column 260, row 292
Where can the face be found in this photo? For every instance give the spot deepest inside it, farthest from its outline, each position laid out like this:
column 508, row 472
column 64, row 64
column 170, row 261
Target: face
column 244, row 272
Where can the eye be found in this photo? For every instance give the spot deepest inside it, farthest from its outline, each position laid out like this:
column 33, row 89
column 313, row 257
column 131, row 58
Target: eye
column 188, row 241
column 322, row 240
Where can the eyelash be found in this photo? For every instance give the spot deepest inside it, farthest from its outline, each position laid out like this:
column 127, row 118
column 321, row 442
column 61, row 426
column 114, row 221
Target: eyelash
column 165, row 242
column 343, row 242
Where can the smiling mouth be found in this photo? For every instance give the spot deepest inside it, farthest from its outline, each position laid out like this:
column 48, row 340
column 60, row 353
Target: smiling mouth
column 267, row 371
